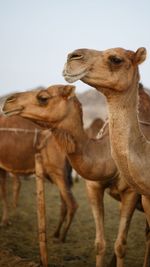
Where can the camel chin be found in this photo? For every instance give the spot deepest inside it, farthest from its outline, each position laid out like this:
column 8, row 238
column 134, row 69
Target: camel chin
column 70, row 79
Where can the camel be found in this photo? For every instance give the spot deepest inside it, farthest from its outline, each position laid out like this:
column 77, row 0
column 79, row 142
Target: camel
column 87, row 64
column 90, row 158
column 14, row 130
column 21, row 138
column 115, row 73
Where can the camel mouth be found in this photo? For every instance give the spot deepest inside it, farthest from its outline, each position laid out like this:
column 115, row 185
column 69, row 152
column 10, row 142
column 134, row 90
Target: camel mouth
column 71, row 78
column 12, row 111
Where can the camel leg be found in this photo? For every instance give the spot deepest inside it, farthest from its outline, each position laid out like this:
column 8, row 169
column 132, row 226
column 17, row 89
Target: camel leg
column 16, row 189
column 113, row 261
column 147, row 250
column 63, row 213
column 63, row 210
column 128, row 205
column 146, row 207
column 96, row 195
column 3, row 181
column 41, row 210
column 70, row 203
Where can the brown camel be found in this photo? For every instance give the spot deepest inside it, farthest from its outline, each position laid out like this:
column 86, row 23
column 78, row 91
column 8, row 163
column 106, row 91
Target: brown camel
column 115, row 73
column 13, row 131
column 21, row 138
column 90, row 158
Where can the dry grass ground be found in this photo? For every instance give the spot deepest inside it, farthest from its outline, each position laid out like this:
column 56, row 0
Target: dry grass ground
column 20, row 239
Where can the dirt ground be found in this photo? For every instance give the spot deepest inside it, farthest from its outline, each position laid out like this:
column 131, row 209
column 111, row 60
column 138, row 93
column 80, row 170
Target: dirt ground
column 18, row 242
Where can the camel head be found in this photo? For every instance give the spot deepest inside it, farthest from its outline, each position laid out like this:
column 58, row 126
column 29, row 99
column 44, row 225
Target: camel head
column 110, row 69
column 50, row 105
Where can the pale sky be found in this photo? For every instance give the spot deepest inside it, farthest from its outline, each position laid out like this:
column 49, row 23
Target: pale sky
column 37, row 35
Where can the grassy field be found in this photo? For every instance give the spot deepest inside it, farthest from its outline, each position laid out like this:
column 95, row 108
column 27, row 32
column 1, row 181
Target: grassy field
column 18, row 242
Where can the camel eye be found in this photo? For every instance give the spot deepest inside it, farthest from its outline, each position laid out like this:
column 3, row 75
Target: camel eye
column 115, row 60
column 43, row 100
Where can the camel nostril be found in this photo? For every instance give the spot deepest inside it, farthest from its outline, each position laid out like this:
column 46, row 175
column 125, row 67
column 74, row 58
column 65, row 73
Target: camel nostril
column 10, row 99
column 75, row 56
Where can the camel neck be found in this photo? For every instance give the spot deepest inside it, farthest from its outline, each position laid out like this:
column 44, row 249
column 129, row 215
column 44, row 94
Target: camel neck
column 127, row 140
column 74, row 126
column 91, row 158
column 123, row 119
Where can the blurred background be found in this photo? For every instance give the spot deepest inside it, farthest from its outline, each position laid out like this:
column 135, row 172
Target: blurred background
column 36, row 36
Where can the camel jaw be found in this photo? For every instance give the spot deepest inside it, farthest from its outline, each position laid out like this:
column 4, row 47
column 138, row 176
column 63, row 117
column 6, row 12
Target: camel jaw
column 71, row 78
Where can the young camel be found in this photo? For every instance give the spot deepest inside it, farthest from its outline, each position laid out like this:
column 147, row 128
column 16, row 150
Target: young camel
column 21, row 138
column 90, row 158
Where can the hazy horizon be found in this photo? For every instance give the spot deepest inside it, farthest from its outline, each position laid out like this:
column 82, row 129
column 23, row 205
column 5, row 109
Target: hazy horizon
column 36, row 37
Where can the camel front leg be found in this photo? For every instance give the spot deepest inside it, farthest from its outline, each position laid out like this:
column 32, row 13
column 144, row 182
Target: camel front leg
column 16, row 189
column 147, row 250
column 3, row 183
column 146, row 207
column 128, row 205
column 69, row 202
column 96, row 194
column 63, row 213
column 41, row 209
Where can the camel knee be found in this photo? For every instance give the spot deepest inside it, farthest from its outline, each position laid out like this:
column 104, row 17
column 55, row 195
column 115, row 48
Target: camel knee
column 100, row 247
column 120, row 248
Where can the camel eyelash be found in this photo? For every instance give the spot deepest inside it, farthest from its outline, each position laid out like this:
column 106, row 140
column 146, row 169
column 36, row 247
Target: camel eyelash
column 115, row 60
column 42, row 99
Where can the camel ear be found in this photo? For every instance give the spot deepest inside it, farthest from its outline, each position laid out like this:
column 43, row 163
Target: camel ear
column 140, row 55
column 68, row 91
